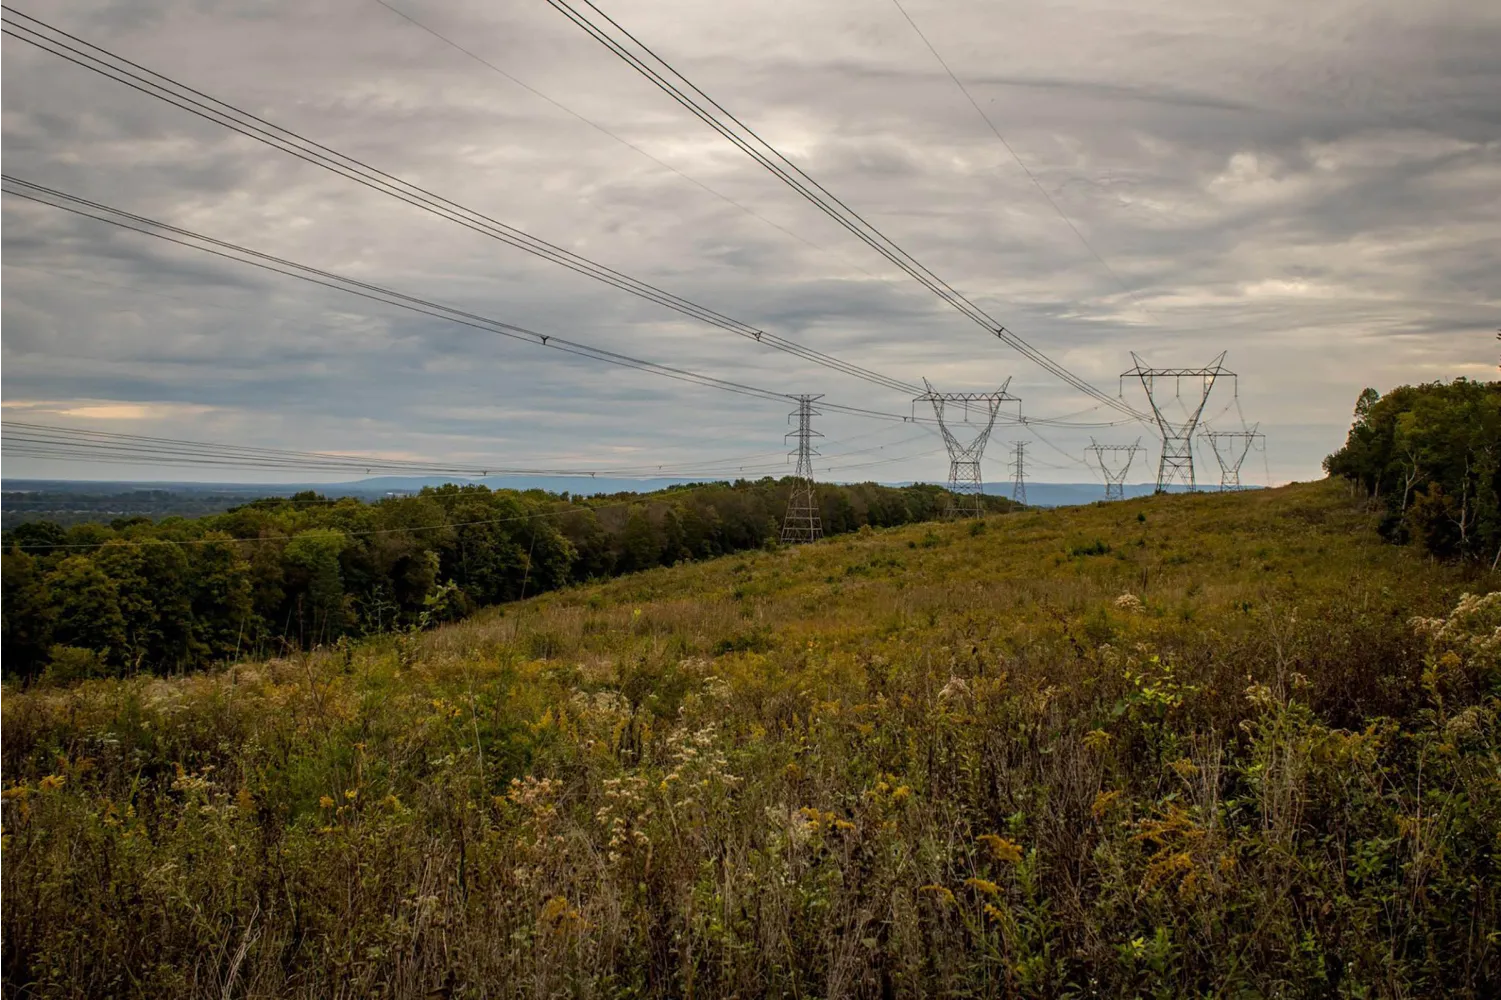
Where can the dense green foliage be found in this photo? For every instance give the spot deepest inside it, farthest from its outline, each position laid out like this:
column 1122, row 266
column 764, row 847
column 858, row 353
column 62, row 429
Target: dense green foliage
column 1227, row 745
column 282, row 573
column 1430, row 457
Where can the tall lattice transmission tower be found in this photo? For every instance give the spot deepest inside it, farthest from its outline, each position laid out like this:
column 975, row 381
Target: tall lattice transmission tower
column 803, row 522
column 1177, row 424
column 1230, row 450
column 1019, row 472
column 1116, row 467
column 965, row 485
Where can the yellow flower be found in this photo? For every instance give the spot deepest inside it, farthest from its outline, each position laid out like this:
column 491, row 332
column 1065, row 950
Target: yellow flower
column 1002, row 849
column 52, row 781
column 986, row 886
column 1103, row 802
column 350, row 793
column 558, row 915
column 324, row 802
column 943, row 894
column 1185, row 767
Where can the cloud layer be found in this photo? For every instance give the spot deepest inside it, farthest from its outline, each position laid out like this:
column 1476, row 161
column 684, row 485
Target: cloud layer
column 1315, row 190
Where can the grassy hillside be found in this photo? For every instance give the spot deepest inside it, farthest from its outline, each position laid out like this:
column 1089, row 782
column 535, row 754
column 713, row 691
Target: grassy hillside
column 1172, row 746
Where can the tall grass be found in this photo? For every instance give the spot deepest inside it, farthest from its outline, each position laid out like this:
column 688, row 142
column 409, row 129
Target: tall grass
column 1237, row 747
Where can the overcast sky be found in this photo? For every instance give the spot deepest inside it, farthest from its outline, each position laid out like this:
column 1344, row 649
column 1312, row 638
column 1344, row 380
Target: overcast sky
column 1314, row 188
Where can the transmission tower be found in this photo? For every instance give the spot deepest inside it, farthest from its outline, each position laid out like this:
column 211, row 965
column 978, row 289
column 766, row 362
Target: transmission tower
column 965, row 485
column 803, row 522
column 1116, row 470
column 1230, row 450
column 1177, row 429
column 1019, row 473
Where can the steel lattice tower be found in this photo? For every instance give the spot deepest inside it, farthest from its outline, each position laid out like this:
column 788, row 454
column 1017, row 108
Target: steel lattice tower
column 965, row 485
column 1177, row 462
column 1230, row 450
column 803, row 522
column 1115, row 478
column 1019, row 473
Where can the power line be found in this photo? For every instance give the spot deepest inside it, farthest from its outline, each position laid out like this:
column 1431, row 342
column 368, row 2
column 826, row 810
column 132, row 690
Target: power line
column 31, row 439
column 280, row 265
column 1014, row 155
column 445, row 39
column 640, row 57
column 48, row 442
column 89, row 56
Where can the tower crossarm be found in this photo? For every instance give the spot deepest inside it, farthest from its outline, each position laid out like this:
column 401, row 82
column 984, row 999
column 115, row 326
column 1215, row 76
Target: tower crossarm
column 1177, row 434
column 965, row 482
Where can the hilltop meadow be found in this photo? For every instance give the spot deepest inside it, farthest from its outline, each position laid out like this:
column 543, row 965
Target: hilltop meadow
column 1188, row 745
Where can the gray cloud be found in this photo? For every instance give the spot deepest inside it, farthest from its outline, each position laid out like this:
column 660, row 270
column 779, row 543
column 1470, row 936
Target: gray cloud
column 1316, row 189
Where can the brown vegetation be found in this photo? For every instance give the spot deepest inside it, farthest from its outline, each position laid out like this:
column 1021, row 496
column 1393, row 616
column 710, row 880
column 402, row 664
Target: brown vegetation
column 1228, row 744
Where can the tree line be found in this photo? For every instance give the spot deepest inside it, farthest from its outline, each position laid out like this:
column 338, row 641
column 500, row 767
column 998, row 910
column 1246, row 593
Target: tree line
column 282, row 573
column 1429, row 458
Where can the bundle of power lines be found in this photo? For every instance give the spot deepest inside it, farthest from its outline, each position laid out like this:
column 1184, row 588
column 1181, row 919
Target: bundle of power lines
column 40, row 441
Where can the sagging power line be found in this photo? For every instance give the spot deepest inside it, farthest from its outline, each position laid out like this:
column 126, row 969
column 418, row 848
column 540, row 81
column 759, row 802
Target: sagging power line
column 665, row 77
column 38, row 33
column 985, row 117
column 25, row 439
column 182, row 237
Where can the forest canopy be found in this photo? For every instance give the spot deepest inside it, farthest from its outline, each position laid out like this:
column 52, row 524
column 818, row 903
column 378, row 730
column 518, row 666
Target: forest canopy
column 1429, row 457
column 297, row 572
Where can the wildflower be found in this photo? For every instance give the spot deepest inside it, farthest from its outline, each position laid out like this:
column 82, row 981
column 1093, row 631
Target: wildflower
column 559, row 916
column 941, row 893
column 52, row 781
column 901, row 794
column 350, row 793
column 1001, row 849
column 1166, row 868
column 1129, row 603
column 986, row 886
column 1103, row 802
column 324, row 802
